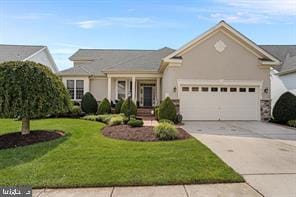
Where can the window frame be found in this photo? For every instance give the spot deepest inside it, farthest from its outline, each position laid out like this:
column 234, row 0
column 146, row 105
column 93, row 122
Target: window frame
column 75, row 88
column 185, row 87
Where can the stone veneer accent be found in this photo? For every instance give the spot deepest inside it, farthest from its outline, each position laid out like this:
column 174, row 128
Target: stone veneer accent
column 265, row 109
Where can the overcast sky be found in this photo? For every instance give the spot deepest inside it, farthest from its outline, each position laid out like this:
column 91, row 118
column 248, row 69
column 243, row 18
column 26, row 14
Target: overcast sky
column 65, row 26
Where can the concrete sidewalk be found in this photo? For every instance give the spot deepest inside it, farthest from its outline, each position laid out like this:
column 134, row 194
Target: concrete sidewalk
column 205, row 190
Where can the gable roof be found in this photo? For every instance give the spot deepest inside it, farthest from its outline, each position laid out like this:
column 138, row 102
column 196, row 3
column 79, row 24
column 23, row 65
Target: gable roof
column 286, row 54
column 18, row 52
column 222, row 25
column 102, row 61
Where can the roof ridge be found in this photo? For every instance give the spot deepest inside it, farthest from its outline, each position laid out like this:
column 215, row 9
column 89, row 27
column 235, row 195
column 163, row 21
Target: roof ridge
column 23, row 45
column 118, row 49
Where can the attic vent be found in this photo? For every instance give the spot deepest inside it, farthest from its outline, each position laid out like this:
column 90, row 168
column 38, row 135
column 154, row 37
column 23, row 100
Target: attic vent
column 220, row 46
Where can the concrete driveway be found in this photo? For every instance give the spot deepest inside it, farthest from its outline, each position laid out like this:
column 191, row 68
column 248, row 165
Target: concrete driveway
column 263, row 153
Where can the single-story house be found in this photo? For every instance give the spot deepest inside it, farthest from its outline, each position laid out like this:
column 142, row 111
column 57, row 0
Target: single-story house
column 220, row 75
column 283, row 76
column 39, row 54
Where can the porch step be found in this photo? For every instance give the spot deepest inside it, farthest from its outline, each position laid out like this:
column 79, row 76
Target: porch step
column 144, row 112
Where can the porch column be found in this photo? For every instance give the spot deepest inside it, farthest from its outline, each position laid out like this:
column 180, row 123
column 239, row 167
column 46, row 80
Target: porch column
column 134, row 88
column 158, row 91
column 109, row 88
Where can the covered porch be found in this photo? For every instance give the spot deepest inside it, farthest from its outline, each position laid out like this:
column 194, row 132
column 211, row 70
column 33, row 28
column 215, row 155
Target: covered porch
column 144, row 89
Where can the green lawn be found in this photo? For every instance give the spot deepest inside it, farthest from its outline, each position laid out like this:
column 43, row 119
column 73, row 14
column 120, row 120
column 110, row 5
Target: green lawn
column 84, row 158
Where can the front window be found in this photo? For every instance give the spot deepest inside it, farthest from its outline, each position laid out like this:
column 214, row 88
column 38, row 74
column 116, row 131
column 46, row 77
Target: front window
column 75, row 88
column 79, row 89
column 70, row 87
column 121, row 89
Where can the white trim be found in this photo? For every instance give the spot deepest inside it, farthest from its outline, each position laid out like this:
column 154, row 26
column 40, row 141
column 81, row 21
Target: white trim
column 136, row 75
column 32, row 55
column 213, row 30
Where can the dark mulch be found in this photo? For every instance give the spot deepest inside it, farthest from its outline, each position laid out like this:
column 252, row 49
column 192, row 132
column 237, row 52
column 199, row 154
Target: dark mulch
column 143, row 134
column 13, row 140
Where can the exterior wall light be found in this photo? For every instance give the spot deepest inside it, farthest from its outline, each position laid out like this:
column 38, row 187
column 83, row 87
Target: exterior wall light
column 266, row 90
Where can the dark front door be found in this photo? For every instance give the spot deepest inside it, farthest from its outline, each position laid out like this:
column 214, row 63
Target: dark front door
column 148, row 96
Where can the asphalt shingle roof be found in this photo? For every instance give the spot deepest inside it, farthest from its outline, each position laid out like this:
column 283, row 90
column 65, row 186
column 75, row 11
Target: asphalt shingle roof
column 104, row 60
column 17, row 52
column 285, row 53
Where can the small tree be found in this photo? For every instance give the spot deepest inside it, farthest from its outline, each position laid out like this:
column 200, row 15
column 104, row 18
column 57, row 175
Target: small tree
column 104, row 107
column 285, row 108
column 29, row 90
column 167, row 110
column 89, row 104
column 129, row 110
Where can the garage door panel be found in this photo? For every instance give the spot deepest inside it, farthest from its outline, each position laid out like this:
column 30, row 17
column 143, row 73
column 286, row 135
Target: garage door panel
column 219, row 105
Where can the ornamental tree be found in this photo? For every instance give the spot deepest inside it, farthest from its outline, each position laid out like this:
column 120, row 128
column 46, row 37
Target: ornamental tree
column 30, row 90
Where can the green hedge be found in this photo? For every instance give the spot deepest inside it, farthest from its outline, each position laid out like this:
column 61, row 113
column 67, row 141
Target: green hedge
column 104, row 107
column 89, row 104
column 165, row 131
column 118, row 106
column 285, row 108
column 167, row 110
column 125, row 108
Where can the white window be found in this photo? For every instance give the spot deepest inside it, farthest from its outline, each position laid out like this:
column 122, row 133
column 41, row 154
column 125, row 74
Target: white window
column 71, row 87
column 185, row 89
column 121, row 89
column 194, row 89
column 75, row 88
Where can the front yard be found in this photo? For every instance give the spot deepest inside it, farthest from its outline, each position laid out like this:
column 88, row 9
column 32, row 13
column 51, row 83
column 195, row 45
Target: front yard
column 85, row 158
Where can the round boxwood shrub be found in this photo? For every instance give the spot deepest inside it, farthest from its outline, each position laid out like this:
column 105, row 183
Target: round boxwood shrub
column 285, row 108
column 167, row 110
column 89, row 104
column 104, row 107
column 292, row 123
column 165, row 131
column 135, row 123
column 125, row 108
column 118, row 106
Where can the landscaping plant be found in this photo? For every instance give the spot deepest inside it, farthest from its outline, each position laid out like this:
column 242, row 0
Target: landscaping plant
column 166, row 121
column 178, row 119
column 89, row 104
column 30, row 90
column 285, row 108
column 165, row 131
column 167, row 110
column 125, row 108
column 135, row 123
column 118, row 106
column 292, row 123
column 104, row 107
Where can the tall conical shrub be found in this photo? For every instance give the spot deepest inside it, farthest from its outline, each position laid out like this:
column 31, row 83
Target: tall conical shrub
column 89, row 104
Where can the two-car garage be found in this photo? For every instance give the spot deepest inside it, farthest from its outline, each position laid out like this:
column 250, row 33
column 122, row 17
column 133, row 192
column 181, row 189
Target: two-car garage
column 220, row 101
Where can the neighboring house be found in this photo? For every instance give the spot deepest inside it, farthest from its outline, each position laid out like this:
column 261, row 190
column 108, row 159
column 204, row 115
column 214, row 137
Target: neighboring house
column 283, row 77
column 220, row 75
column 39, row 54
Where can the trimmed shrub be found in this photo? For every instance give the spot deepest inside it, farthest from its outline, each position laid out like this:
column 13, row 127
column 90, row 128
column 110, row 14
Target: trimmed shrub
column 167, row 110
column 90, row 117
column 89, row 104
column 118, row 106
column 135, row 123
column 75, row 103
column 75, row 110
column 292, row 123
column 156, row 113
column 285, row 108
column 116, row 120
column 165, row 131
column 104, row 118
column 178, row 119
column 104, row 107
column 166, row 121
column 125, row 108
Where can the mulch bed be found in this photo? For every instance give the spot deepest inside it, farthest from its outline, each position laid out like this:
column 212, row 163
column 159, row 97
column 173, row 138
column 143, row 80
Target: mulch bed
column 13, row 140
column 143, row 134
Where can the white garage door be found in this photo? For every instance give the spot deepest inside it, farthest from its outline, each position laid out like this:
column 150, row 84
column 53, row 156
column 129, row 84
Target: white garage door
column 219, row 102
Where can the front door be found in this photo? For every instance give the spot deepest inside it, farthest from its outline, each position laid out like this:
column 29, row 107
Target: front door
column 147, row 96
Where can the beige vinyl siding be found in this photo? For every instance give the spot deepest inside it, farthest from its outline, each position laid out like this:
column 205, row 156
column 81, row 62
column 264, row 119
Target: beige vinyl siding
column 98, row 87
